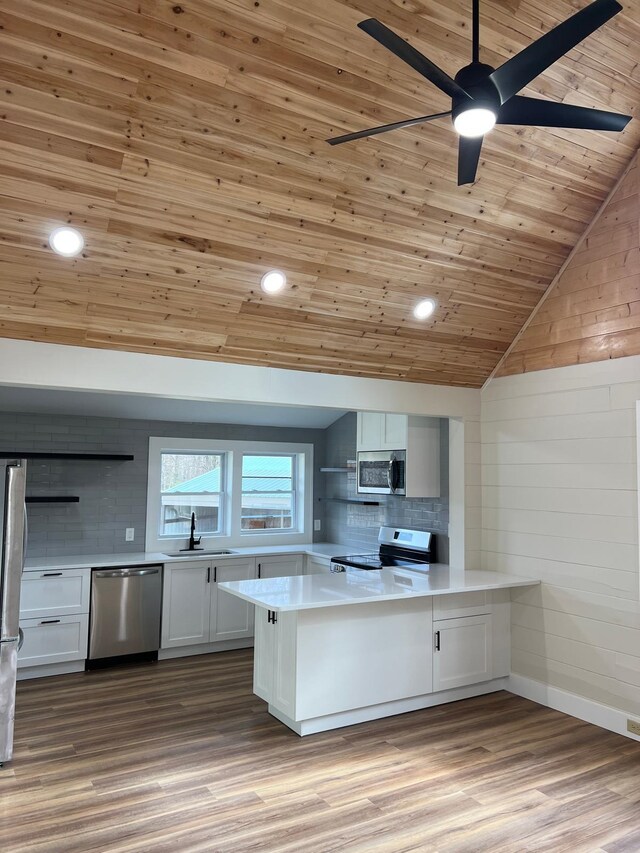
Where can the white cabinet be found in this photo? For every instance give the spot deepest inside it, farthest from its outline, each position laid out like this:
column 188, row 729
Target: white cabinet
column 186, row 601
column 316, row 565
column 54, row 593
column 193, row 609
column 231, row 617
column 53, row 640
column 418, row 437
column 463, row 651
column 280, row 566
column 382, row 431
column 471, row 638
column 274, row 660
column 54, row 619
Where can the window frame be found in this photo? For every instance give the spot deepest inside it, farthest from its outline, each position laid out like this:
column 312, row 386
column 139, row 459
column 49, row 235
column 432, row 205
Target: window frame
column 222, row 505
column 295, row 491
column 231, row 534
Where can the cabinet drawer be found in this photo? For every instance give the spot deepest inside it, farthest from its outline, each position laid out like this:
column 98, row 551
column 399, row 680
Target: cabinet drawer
column 53, row 640
column 64, row 593
column 461, row 604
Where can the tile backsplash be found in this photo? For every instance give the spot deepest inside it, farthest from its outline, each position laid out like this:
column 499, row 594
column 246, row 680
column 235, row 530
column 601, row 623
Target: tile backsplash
column 357, row 526
column 113, row 495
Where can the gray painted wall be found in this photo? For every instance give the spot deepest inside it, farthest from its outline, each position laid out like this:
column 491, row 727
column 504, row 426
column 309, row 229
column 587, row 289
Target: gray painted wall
column 112, row 495
column 358, row 525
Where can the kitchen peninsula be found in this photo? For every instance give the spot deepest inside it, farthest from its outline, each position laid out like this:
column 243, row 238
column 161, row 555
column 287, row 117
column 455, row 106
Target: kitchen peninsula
column 336, row 649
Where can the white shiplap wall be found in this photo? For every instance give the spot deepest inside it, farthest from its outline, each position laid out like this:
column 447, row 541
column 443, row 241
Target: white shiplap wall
column 560, row 502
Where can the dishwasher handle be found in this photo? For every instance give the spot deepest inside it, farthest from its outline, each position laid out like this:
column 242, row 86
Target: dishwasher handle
column 126, row 573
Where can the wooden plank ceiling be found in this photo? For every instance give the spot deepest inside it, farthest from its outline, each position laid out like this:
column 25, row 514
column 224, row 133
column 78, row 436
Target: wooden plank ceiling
column 187, row 144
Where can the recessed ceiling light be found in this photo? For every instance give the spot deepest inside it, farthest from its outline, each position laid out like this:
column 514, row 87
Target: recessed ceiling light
column 66, row 241
column 273, row 281
column 424, row 309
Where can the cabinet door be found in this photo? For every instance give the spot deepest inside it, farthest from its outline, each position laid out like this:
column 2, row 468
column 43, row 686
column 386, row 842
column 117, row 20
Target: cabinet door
column 264, row 657
column 54, row 593
column 231, row 617
column 317, row 565
column 462, row 651
column 284, row 566
column 369, row 435
column 53, row 640
column 185, row 604
column 394, row 432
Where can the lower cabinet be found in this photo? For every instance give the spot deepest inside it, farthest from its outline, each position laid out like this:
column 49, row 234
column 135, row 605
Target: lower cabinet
column 274, row 668
column 315, row 565
column 59, row 640
column 462, row 651
column 54, row 618
column 281, row 566
column 193, row 609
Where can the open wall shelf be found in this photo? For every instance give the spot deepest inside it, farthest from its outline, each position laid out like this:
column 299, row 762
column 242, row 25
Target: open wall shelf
column 89, row 457
column 52, row 499
column 351, row 501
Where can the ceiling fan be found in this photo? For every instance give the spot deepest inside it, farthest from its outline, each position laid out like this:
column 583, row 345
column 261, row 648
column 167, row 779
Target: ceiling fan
column 482, row 96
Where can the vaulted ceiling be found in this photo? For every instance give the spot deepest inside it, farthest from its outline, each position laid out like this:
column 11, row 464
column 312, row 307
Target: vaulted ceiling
column 186, row 142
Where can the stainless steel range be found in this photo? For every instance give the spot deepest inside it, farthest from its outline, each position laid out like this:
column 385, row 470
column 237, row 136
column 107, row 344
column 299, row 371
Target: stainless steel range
column 398, row 548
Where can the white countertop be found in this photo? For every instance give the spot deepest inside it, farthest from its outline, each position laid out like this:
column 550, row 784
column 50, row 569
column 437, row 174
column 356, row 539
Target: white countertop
column 141, row 558
column 360, row 587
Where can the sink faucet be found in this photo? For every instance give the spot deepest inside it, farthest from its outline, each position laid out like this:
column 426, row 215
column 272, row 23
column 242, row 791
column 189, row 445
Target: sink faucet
column 192, row 536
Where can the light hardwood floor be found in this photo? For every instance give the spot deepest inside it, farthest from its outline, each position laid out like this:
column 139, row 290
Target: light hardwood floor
column 180, row 756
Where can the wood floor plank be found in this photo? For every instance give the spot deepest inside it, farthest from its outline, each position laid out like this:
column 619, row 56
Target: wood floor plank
column 181, row 756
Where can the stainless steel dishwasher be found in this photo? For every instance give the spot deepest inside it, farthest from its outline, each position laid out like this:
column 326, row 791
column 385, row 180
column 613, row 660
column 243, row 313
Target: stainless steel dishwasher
column 125, row 612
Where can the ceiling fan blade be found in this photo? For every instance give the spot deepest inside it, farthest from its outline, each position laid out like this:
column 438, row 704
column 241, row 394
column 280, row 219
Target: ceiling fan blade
column 468, row 157
column 383, row 128
column 403, row 50
column 525, row 66
column 535, row 111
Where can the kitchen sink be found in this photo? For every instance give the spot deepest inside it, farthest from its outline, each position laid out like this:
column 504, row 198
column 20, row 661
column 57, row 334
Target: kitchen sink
column 197, row 553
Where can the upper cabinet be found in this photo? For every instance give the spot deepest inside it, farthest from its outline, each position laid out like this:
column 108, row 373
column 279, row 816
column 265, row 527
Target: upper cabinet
column 418, row 437
column 382, row 431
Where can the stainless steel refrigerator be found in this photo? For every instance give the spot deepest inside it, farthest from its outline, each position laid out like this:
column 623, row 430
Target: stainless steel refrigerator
column 13, row 536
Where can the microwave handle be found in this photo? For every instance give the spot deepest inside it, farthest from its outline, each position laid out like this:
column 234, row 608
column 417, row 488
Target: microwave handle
column 392, row 474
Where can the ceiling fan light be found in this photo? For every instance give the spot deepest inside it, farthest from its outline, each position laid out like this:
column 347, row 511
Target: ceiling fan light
column 474, row 122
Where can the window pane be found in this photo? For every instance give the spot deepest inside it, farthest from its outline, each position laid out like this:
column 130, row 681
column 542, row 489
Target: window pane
column 268, row 499
column 191, row 483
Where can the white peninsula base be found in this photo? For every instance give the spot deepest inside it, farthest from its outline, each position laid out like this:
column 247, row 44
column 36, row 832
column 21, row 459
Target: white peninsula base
column 403, row 648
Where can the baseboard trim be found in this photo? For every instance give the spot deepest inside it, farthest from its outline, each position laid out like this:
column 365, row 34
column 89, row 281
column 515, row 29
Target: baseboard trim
column 205, row 648
column 576, row 706
column 340, row 719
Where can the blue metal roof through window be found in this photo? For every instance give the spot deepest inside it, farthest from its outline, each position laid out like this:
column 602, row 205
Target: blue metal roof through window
column 267, row 473
column 259, row 474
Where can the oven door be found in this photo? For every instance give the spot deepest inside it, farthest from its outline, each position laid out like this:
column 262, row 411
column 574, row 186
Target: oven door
column 381, row 472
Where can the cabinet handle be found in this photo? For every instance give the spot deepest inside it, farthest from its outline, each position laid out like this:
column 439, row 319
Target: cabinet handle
column 272, row 616
column 208, row 574
column 215, row 574
column 52, row 575
column 437, row 640
column 259, row 568
column 49, row 621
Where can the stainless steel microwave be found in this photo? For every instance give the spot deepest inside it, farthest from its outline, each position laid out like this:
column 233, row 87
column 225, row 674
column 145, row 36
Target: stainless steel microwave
column 382, row 472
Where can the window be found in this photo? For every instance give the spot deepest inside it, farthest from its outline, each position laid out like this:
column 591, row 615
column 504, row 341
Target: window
column 242, row 493
column 191, row 483
column 268, row 492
